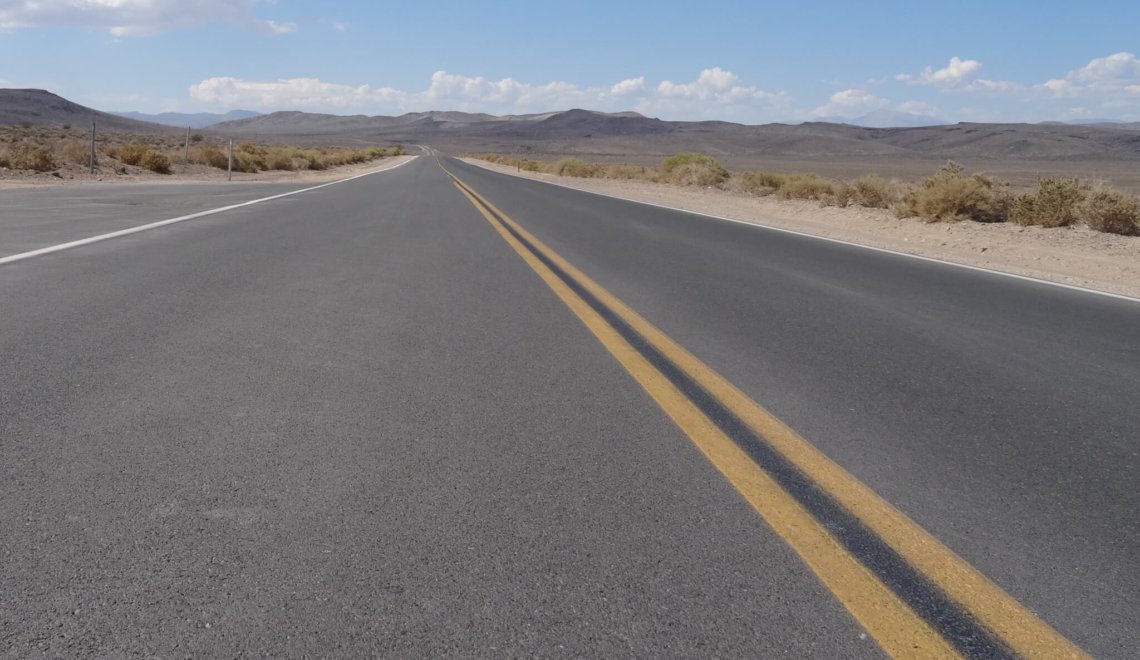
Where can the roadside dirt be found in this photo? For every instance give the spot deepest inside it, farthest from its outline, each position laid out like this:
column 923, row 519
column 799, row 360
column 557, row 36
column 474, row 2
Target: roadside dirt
column 1071, row 255
column 73, row 174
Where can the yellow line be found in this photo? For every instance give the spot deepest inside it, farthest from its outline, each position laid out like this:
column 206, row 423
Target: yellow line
column 1015, row 625
column 893, row 625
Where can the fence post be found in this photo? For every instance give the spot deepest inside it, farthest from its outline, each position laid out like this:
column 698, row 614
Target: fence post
column 230, row 165
column 187, row 145
column 92, row 147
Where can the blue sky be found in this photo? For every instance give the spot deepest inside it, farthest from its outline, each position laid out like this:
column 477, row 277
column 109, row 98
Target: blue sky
column 741, row 61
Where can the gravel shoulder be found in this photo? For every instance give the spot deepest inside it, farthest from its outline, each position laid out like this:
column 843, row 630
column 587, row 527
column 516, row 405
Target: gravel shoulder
column 1075, row 255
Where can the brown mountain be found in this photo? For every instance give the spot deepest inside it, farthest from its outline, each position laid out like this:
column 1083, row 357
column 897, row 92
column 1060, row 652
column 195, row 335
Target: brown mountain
column 37, row 107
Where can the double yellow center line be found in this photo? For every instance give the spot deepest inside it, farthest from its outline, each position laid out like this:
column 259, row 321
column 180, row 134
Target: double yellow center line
column 912, row 594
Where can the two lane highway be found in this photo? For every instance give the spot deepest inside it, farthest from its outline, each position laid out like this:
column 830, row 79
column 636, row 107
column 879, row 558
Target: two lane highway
column 354, row 421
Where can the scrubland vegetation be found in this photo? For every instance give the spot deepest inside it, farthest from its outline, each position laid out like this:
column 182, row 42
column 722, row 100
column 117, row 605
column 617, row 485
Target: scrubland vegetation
column 950, row 194
column 49, row 149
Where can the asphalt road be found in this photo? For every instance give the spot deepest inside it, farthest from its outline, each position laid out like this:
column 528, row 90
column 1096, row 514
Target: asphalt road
column 353, row 421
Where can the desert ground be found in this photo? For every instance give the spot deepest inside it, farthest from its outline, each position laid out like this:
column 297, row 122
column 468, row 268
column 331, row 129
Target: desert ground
column 1074, row 256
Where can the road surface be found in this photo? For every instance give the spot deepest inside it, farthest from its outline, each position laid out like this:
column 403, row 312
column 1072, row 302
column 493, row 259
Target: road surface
column 402, row 415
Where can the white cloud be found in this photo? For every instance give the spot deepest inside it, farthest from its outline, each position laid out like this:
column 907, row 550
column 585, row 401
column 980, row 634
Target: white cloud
column 715, row 94
column 629, row 86
column 123, row 18
column 850, row 103
column 1112, row 75
column 953, row 74
column 959, row 74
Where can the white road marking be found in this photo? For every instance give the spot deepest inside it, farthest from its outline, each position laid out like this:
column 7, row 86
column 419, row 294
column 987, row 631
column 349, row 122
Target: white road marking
column 761, row 225
column 162, row 223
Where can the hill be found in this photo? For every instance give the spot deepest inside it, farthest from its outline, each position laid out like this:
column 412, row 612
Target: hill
column 191, row 120
column 37, row 107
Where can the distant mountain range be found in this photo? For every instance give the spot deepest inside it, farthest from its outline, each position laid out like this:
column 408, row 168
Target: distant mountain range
column 628, row 133
column 886, row 119
column 191, row 120
column 621, row 134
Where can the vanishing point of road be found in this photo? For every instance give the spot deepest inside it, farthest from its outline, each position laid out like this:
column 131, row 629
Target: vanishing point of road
column 437, row 410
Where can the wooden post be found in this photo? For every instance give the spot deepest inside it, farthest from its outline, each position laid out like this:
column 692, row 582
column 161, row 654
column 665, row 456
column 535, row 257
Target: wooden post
column 92, row 147
column 230, row 165
column 187, row 145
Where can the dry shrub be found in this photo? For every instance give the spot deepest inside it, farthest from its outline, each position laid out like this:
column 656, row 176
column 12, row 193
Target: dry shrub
column 693, row 169
column 1112, row 211
column 805, row 186
column 842, row 195
column 532, row 166
column 131, row 154
column 247, row 162
column 156, row 162
column 1055, row 203
column 76, row 151
column 30, row 157
column 873, row 192
column 952, row 194
column 214, row 158
column 697, row 174
column 576, row 167
column 761, row 183
column 281, row 161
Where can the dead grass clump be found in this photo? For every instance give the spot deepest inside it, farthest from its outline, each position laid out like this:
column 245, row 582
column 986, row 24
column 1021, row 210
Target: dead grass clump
column 689, row 168
column 1112, row 211
column 805, row 186
column 952, row 194
column 75, row 151
column 628, row 172
column 760, row 183
column 576, row 167
column 1055, row 203
column 36, row 157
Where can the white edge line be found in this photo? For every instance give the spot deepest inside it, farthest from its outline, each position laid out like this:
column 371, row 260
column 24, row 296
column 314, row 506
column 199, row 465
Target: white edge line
column 761, row 225
column 162, row 223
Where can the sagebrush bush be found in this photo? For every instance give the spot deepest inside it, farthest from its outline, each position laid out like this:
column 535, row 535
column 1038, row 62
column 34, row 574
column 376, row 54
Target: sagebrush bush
column 691, row 168
column 952, row 194
column 805, row 186
column 34, row 157
column 1112, row 211
column 1055, row 203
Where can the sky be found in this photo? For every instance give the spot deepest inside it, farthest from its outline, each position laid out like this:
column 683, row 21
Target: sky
column 746, row 61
